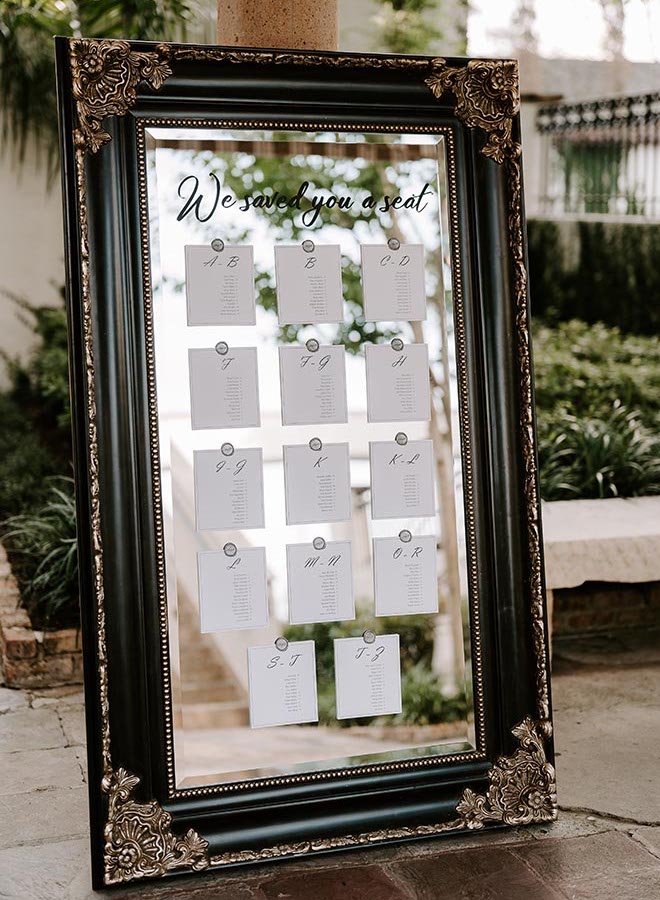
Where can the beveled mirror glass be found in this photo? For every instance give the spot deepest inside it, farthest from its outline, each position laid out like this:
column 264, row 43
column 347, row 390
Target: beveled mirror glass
column 349, row 188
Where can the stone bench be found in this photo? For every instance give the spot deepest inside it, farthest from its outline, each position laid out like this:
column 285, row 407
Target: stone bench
column 613, row 541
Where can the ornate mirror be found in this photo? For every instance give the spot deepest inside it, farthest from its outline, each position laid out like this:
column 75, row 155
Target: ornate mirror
column 309, row 535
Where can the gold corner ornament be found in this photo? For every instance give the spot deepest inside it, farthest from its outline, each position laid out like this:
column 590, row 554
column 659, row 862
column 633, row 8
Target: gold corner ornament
column 139, row 843
column 105, row 75
column 138, row 839
column 522, row 791
column 487, row 97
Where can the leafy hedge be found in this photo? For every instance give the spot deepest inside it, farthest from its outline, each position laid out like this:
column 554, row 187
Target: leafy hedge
column 597, row 272
column 37, row 515
column 583, row 369
column 44, row 545
column 598, row 412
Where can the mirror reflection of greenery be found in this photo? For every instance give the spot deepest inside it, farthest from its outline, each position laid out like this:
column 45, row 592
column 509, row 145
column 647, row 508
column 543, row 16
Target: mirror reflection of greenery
column 352, row 166
column 424, row 702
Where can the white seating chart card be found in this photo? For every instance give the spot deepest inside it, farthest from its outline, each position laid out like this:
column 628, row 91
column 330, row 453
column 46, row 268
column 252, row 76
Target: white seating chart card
column 313, row 384
column 224, row 387
column 368, row 677
column 405, row 575
column 309, row 288
column 229, row 486
column 320, row 581
column 402, row 483
column 220, row 285
column 229, row 490
column 232, row 589
column 317, row 483
column 393, row 283
column 282, row 685
column 398, row 385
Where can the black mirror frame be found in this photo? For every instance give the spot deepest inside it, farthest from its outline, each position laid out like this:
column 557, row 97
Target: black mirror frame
column 139, row 826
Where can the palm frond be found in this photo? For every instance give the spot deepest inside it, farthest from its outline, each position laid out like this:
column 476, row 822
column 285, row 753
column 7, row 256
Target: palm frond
column 27, row 70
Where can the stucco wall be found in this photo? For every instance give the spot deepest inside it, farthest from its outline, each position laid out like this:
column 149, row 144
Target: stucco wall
column 31, row 248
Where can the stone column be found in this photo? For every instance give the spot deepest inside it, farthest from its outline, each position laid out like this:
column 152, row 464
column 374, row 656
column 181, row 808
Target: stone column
column 286, row 24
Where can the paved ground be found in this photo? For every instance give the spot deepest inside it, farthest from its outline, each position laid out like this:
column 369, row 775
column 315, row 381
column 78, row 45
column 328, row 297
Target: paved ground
column 606, row 844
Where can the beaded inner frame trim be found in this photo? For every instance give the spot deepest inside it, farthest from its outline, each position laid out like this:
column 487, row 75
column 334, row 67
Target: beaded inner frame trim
column 461, row 358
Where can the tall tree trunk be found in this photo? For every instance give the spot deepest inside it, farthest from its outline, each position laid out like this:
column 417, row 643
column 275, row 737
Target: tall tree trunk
column 285, row 24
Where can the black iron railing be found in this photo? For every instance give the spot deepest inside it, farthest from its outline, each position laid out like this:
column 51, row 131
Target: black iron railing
column 602, row 156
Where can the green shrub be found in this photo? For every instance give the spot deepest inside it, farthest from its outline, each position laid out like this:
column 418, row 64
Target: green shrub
column 45, row 559
column 35, row 448
column 41, row 386
column 597, row 272
column 582, row 370
column 49, row 370
column 548, row 275
column 598, row 411
column 25, row 462
column 596, row 458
